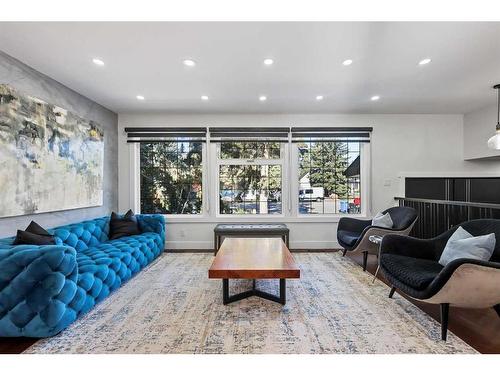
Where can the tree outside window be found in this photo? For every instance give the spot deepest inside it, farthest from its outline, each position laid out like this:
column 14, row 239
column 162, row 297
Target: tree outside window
column 171, row 177
column 329, row 177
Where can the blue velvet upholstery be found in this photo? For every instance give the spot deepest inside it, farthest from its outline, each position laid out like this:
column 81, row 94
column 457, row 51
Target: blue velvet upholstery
column 43, row 289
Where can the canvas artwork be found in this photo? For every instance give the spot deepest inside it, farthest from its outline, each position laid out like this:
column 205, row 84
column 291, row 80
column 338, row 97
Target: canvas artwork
column 50, row 159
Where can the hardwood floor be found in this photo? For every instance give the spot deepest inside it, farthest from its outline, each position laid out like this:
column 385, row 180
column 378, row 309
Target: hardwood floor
column 15, row 345
column 480, row 328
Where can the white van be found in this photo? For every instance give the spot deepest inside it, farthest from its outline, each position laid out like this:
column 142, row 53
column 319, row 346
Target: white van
column 312, row 194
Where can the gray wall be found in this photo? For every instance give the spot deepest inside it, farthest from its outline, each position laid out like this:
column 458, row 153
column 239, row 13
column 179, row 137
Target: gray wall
column 32, row 82
column 479, row 126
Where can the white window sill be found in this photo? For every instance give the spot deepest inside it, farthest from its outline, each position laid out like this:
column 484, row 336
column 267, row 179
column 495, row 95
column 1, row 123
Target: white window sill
column 256, row 219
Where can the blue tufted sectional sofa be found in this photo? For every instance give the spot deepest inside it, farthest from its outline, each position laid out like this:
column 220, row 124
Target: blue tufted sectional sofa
column 43, row 289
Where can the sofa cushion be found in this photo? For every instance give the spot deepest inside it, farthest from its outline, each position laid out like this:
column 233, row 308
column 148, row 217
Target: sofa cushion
column 347, row 237
column 413, row 272
column 462, row 244
column 105, row 267
column 34, row 235
column 35, row 228
column 84, row 234
column 382, row 220
column 123, row 225
column 28, row 238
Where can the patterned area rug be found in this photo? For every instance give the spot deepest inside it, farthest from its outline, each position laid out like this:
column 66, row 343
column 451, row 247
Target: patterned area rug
column 172, row 307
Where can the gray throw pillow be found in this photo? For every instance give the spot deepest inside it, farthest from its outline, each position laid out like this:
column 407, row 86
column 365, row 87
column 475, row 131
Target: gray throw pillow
column 382, row 220
column 462, row 244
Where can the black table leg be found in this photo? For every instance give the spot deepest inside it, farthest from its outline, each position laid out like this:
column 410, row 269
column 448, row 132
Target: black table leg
column 282, row 291
column 225, row 291
column 226, row 298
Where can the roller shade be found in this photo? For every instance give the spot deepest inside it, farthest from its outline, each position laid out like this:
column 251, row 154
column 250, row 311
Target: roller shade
column 331, row 134
column 165, row 134
column 249, row 134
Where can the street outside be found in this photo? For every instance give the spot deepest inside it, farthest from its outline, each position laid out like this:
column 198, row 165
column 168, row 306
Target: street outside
column 323, row 206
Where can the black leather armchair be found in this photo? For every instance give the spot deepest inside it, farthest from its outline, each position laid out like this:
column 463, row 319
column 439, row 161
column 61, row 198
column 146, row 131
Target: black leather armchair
column 353, row 234
column 411, row 266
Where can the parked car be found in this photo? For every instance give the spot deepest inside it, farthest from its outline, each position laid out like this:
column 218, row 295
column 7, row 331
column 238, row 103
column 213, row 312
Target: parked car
column 227, row 196
column 312, row 194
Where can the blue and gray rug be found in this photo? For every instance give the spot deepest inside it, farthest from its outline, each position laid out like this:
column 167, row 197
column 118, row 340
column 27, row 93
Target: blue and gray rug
column 172, row 307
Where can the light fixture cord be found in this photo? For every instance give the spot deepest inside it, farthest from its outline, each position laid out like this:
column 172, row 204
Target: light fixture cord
column 498, row 110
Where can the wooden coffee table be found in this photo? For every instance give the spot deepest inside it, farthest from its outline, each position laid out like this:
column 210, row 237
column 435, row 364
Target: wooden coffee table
column 253, row 258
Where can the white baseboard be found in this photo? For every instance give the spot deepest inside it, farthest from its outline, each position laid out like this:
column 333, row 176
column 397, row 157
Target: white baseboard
column 198, row 245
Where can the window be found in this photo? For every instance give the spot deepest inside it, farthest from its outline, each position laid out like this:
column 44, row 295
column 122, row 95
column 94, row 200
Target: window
column 250, row 177
column 171, row 177
column 250, row 173
column 329, row 177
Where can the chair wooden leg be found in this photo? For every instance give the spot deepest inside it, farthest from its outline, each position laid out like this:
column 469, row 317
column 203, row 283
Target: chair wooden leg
column 344, row 252
column 391, row 293
column 445, row 308
column 365, row 259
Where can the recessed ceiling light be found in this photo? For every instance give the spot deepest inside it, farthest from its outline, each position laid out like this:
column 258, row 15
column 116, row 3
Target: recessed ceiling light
column 204, row 97
column 98, row 62
column 140, row 97
column 424, row 62
column 319, row 97
column 268, row 62
column 262, row 98
column 374, row 98
column 347, row 62
column 189, row 62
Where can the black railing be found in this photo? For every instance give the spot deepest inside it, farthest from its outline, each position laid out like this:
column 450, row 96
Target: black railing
column 437, row 216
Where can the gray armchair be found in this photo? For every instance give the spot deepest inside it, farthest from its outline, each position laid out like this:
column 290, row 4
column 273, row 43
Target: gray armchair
column 353, row 234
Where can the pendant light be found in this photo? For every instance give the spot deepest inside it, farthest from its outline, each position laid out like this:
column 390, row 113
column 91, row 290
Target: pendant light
column 494, row 142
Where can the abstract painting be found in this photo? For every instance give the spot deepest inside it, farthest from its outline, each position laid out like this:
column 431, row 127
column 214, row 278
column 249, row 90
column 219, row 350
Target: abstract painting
column 50, row 159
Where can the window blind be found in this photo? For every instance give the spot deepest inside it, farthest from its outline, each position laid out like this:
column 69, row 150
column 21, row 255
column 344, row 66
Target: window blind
column 166, row 134
column 279, row 134
column 331, row 134
column 242, row 134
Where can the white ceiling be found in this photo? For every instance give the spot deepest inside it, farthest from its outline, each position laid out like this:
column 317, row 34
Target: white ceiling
column 146, row 59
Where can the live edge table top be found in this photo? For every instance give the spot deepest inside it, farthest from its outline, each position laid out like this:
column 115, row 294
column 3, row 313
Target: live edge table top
column 253, row 258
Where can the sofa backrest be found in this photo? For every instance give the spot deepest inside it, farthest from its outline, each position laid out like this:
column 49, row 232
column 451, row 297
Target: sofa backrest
column 84, row 234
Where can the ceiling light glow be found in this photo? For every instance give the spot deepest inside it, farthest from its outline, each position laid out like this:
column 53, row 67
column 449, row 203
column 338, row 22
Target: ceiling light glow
column 347, row 62
column 140, row 97
column 98, row 61
column 374, row 98
column 189, row 62
column 262, row 98
column 319, row 97
column 204, row 97
column 424, row 61
column 268, row 62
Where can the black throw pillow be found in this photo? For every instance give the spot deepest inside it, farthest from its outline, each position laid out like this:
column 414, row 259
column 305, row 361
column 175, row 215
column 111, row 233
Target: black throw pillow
column 34, row 235
column 35, row 228
column 121, row 226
